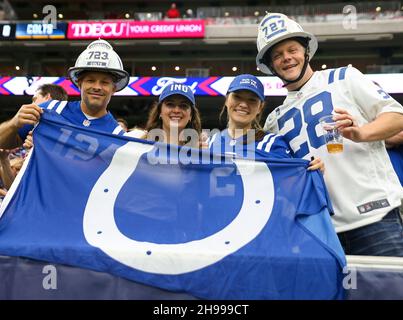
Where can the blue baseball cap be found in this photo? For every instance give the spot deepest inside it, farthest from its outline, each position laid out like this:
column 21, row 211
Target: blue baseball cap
column 177, row 88
column 247, row 82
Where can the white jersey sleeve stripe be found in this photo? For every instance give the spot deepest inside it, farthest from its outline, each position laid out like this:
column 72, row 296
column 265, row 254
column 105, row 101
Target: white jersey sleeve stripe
column 52, row 104
column 264, row 140
column 61, row 106
column 117, row 130
column 270, row 143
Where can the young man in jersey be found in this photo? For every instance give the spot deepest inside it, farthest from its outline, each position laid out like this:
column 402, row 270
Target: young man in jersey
column 363, row 186
column 49, row 91
column 45, row 92
column 98, row 73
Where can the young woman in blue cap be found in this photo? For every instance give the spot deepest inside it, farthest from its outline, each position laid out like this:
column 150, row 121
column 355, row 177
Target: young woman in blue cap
column 175, row 111
column 244, row 136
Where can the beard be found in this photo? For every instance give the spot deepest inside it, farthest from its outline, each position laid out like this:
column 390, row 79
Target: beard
column 95, row 105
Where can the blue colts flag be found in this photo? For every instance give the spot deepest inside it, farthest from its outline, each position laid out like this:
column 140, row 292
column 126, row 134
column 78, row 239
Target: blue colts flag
column 175, row 218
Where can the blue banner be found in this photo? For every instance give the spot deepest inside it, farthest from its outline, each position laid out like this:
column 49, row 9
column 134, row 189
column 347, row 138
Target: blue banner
column 175, row 218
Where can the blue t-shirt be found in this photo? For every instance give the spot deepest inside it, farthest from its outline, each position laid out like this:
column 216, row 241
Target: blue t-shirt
column 71, row 111
column 272, row 146
column 396, row 157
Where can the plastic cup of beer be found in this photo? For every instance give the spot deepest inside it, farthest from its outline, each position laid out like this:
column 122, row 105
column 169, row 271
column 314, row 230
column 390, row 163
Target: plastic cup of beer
column 333, row 137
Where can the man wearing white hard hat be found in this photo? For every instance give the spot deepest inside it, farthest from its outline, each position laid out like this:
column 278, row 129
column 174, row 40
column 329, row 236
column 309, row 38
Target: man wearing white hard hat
column 98, row 73
column 362, row 184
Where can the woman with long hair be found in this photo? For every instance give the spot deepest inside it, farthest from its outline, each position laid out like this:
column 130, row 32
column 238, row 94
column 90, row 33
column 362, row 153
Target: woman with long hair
column 244, row 136
column 175, row 112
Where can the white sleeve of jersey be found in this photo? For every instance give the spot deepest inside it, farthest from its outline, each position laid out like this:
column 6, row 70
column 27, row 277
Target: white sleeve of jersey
column 370, row 98
column 136, row 133
column 271, row 123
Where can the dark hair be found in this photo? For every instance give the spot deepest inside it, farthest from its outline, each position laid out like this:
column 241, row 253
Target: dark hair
column 259, row 132
column 154, row 121
column 123, row 121
column 55, row 91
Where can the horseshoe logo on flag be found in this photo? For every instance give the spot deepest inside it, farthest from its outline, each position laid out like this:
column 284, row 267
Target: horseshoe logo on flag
column 101, row 231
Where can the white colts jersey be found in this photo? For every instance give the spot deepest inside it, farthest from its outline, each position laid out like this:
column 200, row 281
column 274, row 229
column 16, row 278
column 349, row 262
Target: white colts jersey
column 361, row 181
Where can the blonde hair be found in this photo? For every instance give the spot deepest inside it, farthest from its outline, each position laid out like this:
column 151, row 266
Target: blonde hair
column 259, row 132
column 16, row 164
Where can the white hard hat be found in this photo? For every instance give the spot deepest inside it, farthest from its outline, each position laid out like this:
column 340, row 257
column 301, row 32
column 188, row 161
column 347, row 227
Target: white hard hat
column 100, row 56
column 274, row 28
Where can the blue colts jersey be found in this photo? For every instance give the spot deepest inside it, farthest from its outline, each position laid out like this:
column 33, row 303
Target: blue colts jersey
column 71, row 111
column 271, row 146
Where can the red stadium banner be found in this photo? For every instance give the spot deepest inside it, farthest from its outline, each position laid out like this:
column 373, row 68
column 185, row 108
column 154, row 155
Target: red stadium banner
column 123, row 29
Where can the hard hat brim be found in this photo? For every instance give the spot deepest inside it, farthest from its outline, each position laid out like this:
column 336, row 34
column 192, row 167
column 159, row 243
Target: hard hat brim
column 122, row 75
column 313, row 46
